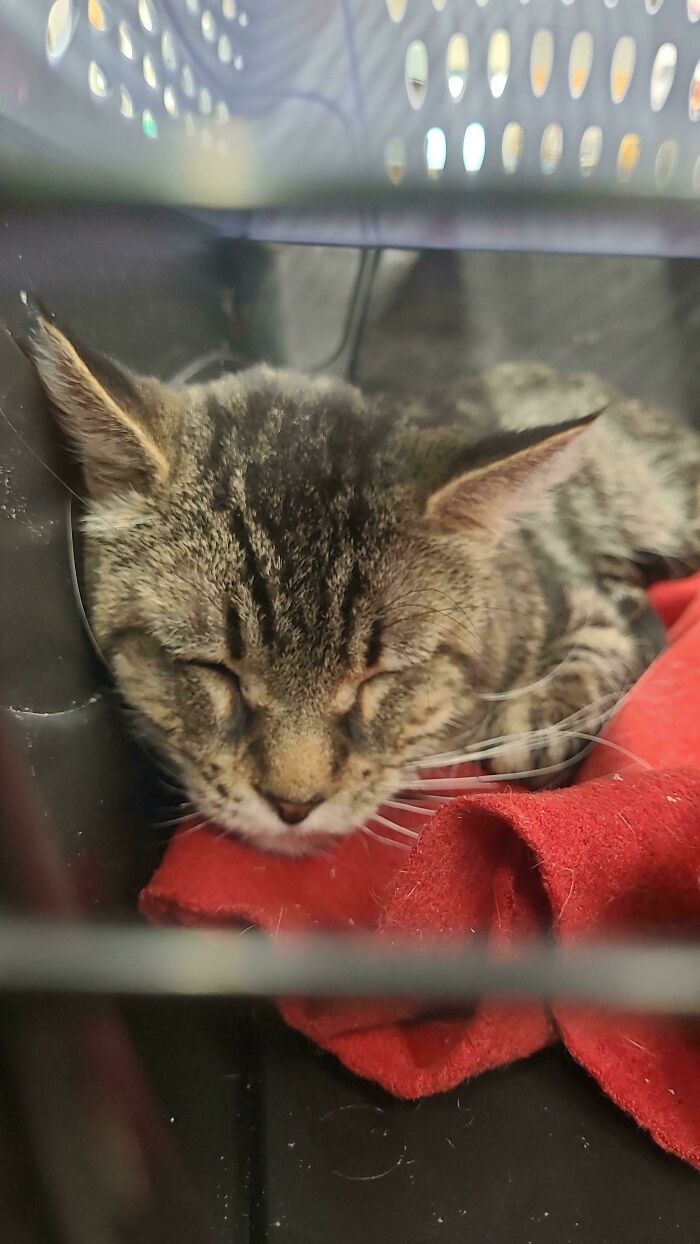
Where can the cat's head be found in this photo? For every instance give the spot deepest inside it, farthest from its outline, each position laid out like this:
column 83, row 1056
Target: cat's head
column 286, row 580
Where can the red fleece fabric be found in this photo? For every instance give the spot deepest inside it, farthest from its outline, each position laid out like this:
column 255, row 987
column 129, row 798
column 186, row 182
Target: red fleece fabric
column 615, row 856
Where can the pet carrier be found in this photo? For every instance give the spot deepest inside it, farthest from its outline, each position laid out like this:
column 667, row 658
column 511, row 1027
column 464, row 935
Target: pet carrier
column 471, row 180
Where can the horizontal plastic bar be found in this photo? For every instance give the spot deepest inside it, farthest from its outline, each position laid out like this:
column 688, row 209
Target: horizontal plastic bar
column 42, row 958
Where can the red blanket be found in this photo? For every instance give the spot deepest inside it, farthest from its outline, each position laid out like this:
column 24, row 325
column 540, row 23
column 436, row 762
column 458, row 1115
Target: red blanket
column 616, row 855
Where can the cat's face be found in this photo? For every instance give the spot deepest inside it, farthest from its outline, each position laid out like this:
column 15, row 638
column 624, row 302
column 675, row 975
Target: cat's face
column 275, row 615
column 283, row 588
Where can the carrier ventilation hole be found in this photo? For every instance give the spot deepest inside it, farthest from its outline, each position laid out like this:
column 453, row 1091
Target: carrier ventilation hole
column 126, row 41
column 590, row 150
column 221, row 112
column 622, row 68
column 580, row 62
column 512, row 146
column 694, row 96
column 541, row 61
column 209, row 27
column 457, row 65
column 435, row 151
column 474, row 147
column 628, row 156
column 395, row 159
column 551, row 147
column 498, row 62
column 99, row 16
column 126, row 104
column 662, row 75
column 168, row 50
column 653, row 6
column 187, row 82
column 397, row 9
column 666, row 161
column 416, row 73
column 243, row 19
column 170, row 100
column 148, row 16
column 229, row 9
column 150, row 73
column 224, row 50
column 205, row 101
column 60, row 25
column 149, row 124
column 439, row 5
column 193, row 7
column 97, row 80
column 694, row 10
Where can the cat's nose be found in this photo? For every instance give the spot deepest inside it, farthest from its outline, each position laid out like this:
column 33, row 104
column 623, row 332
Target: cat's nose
column 291, row 811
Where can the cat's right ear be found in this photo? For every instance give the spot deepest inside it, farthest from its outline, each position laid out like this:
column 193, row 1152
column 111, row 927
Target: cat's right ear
column 115, row 420
column 483, row 490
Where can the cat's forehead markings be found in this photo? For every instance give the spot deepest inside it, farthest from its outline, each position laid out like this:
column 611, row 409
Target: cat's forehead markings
column 345, row 695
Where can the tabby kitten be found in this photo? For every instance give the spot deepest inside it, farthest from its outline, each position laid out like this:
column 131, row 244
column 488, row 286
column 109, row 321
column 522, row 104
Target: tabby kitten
column 309, row 595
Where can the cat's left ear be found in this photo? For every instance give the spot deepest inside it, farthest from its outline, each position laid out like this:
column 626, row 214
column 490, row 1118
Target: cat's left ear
column 493, row 483
column 120, row 424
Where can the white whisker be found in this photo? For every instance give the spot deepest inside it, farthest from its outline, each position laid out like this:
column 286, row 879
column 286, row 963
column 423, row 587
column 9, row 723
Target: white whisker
column 398, row 829
column 479, row 783
column 408, row 807
column 174, row 820
column 389, row 842
column 499, row 743
column 616, row 747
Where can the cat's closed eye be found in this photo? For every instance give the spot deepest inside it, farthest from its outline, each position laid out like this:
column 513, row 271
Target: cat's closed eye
column 218, row 667
column 226, row 678
column 372, row 692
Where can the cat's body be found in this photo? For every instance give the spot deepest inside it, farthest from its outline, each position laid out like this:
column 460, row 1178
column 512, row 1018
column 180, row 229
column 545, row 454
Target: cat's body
column 566, row 586
column 306, row 594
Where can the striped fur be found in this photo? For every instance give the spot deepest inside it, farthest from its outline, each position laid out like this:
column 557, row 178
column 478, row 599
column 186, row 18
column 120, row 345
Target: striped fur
column 324, row 590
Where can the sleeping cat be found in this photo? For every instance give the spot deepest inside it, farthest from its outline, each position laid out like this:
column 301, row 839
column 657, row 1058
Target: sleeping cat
column 310, row 596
